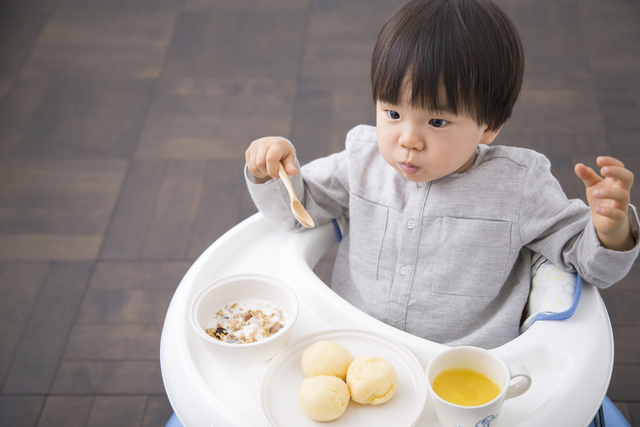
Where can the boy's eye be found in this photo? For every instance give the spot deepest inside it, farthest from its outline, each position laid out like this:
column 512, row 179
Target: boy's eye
column 437, row 123
column 393, row 114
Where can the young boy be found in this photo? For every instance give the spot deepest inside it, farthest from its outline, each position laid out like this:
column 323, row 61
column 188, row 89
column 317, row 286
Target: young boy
column 441, row 226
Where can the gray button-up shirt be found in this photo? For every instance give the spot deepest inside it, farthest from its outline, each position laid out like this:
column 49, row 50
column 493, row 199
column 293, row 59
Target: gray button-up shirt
column 447, row 260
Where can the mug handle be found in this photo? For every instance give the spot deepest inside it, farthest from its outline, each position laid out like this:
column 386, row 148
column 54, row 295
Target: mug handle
column 522, row 384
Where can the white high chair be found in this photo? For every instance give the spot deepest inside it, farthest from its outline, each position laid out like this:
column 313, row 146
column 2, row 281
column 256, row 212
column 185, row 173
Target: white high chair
column 570, row 361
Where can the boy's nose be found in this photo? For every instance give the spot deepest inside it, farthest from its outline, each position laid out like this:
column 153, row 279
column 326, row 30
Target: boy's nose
column 412, row 139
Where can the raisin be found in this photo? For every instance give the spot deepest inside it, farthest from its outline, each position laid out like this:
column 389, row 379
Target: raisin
column 220, row 332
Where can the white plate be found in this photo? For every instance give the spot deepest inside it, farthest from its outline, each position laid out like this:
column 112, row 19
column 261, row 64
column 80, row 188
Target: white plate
column 282, row 380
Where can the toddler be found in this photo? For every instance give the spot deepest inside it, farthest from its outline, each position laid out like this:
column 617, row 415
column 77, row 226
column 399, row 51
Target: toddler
column 441, row 226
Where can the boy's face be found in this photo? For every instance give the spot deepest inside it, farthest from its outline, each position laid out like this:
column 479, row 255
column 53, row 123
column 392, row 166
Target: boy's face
column 424, row 146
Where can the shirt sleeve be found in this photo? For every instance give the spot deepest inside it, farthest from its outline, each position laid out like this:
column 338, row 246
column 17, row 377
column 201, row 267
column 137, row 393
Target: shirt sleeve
column 562, row 230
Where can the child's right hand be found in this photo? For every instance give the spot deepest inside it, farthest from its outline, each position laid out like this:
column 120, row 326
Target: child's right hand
column 264, row 154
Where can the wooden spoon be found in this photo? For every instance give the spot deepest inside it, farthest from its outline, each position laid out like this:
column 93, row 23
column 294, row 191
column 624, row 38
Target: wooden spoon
column 297, row 209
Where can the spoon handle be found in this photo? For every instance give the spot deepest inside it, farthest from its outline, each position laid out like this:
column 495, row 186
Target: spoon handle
column 287, row 183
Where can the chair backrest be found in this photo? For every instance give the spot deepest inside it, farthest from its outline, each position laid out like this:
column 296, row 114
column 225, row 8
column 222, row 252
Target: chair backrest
column 554, row 293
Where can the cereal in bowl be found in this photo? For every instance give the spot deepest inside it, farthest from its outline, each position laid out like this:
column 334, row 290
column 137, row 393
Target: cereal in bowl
column 247, row 321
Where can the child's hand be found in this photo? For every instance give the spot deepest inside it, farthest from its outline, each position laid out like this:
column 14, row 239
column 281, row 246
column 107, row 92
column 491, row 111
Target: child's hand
column 608, row 199
column 264, row 154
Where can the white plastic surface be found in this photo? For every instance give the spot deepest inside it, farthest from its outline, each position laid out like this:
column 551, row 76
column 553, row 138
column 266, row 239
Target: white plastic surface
column 570, row 361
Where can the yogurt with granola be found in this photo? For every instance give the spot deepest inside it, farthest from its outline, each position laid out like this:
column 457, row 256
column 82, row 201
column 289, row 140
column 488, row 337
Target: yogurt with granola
column 246, row 321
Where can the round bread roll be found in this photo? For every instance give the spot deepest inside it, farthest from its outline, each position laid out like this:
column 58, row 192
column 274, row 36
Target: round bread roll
column 326, row 358
column 372, row 380
column 324, row 397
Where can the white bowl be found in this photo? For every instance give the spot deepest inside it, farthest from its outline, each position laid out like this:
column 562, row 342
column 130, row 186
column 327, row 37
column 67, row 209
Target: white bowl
column 217, row 294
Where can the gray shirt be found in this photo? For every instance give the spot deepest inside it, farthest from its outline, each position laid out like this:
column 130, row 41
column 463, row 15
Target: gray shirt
column 447, row 260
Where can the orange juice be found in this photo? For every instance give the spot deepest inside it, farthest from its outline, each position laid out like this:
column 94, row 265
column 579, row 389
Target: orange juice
column 465, row 387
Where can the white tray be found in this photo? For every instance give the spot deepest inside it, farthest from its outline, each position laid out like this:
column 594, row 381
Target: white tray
column 570, row 361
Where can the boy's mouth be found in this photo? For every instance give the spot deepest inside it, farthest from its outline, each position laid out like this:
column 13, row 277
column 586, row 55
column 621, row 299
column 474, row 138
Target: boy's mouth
column 408, row 168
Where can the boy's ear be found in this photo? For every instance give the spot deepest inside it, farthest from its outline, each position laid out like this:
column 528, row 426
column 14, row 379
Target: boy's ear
column 489, row 134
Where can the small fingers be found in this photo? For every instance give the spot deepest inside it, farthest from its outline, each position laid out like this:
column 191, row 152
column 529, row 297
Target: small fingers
column 611, row 213
column 250, row 158
column 264, row 154
column 255, row 159
column 587, row 175
column 272, row 159
column 290, row 165
column 608, row 161
column 619, row 195
column 622, row 175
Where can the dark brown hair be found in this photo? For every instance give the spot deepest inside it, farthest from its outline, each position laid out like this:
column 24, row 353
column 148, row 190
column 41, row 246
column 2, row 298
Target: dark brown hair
column 470, row 47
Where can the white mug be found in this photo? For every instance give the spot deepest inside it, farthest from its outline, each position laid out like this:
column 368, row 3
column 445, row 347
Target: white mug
column 487, row 363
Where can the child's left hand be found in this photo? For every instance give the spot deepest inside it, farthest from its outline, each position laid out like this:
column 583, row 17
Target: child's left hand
column 608, row 199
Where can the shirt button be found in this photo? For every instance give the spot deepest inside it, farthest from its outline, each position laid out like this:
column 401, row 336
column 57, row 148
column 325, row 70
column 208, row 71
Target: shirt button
column 411, row 225
column 404, row 271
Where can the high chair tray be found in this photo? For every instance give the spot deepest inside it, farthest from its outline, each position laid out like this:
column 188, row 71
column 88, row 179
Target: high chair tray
column 570, row 361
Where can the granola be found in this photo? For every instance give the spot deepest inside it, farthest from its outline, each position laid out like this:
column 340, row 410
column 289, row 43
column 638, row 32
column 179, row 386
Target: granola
column 237, row 323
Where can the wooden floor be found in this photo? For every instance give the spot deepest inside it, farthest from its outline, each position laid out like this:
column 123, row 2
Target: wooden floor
column 123, row 126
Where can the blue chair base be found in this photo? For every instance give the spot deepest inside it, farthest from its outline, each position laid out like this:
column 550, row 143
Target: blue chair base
column 609, row 416
column 174, row 421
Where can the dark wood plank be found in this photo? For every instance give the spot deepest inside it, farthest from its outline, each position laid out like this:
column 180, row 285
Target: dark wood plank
column 58, row 196
column 109, row 377
column 158, row 412
column 118, row 306
column 627, row 345
column 611, row 33
column 204, row 44
column 619, row 100
column 126, row 233
column 221, row 5
column 80, row 117
column 551, row 35
column 22, row 99
column 270, row 43
column 122, row 4
column 20, row 411
column 40, row 351
column 558, row 116
column 340, row 41
column 114, row 342
column 220, row 205
column 630, row 282
column 19, row 28
column 138, row 275
column 56, row 209
column 125, row 411
column 634, row 409
column 313, row 119
column 62, row 411
column 171, row 225
column 624, row 383
column 622, row 306
column 5, row 86
column 215, row 117
column 261, row 43
column 82, row 42
column 20, row 286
